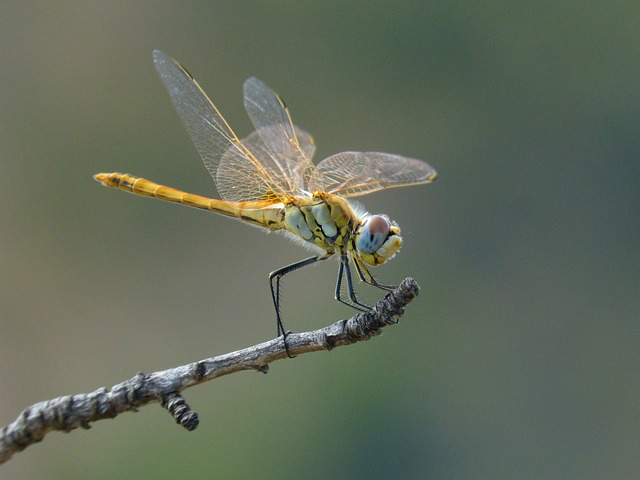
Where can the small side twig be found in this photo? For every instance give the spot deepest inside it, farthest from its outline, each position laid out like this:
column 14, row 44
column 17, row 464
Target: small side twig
column 74, row 411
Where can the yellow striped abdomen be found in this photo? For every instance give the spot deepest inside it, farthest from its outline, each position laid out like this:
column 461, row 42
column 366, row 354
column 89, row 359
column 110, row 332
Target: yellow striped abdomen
column 269, row 214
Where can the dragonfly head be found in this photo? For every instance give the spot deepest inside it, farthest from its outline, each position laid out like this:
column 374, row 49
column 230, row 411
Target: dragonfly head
column 377, row 239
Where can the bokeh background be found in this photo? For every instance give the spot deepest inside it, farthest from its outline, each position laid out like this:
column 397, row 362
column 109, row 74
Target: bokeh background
column 520, row 357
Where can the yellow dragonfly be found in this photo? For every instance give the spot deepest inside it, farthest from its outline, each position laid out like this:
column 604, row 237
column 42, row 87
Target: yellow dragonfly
column 267, row 179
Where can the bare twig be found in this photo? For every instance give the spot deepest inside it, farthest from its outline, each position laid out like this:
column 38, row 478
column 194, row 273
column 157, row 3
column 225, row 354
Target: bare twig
column 72, row 411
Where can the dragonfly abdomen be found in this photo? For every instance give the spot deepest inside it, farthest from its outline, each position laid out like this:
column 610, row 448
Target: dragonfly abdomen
column 263, row 214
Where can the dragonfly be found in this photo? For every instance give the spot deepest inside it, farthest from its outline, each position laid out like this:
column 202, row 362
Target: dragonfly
column 268, row 179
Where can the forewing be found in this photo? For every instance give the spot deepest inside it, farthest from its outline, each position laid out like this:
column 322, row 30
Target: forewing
column 280, row 139
column 236, row 180
column 212, row 135
column 351, row 174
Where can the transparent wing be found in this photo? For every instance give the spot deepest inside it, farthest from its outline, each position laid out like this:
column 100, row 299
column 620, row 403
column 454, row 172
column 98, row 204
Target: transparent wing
column 282, row 144
column 351, row 174
column 254, row 143
column 214, row 138
column 235, row 179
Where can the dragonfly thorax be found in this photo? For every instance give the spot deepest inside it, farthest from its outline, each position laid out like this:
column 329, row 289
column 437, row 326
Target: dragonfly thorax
column 322, row 220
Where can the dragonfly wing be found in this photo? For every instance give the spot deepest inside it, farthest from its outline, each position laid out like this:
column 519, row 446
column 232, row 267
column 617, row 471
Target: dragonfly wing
column 287, row 150
column 351, row 174
column 306, row 142
column 235, row 181
column 212, row 135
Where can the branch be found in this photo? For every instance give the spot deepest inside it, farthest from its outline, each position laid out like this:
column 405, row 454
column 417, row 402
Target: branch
column 72, row 411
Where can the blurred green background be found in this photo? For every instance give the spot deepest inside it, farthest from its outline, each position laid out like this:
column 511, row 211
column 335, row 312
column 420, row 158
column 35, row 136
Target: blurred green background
column 520, row 357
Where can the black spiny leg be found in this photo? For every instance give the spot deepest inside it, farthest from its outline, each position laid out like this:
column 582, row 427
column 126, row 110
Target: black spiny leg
column 274, row 282
column 345, row 270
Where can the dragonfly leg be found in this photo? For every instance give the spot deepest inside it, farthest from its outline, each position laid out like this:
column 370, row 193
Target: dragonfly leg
column 366, row 277
column 345, row 271
column 274, row 282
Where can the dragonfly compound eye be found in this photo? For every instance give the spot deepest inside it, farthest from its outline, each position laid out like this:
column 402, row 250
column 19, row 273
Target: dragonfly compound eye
column 378, row 240
column 373, row 234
